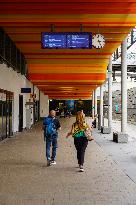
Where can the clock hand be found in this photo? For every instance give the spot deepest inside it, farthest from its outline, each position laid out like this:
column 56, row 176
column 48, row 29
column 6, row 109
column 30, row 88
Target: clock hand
column 99, row 42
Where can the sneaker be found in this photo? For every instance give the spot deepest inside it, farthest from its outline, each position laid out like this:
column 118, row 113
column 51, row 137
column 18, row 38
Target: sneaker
column 48, row 163
column 53, row 162
column 81, row 169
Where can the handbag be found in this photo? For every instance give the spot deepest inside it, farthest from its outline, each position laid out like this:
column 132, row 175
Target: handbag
column 88, row 134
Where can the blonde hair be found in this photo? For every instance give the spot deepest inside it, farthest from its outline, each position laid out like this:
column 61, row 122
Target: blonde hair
column 80, row 119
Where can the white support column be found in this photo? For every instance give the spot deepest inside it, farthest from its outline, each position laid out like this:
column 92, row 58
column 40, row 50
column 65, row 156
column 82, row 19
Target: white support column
column 107, row 129
column 122, row 137
column 95, row 102
column 124, row 86
column 93, row 105
column 101, row 105
column 44, row 105
column 110, row 93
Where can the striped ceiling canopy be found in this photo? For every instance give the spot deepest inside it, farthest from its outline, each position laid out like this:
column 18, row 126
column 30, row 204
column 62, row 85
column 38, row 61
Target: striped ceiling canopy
column 67, row 73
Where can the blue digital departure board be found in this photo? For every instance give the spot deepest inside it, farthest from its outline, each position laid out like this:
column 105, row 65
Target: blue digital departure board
column 66, row 40
column 79, row 40
column 53, row 40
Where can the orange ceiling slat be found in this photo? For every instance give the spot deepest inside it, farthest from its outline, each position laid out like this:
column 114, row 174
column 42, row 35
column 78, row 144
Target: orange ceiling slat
column 62, row 1
column 68, row 7
column 59, row 77
column 56, row 71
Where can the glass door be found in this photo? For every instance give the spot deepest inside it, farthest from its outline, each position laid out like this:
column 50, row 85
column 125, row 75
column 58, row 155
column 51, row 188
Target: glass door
column 36, row 111
column 10, row 113
column 6, row 102
column 9, row 100
column 4, row 116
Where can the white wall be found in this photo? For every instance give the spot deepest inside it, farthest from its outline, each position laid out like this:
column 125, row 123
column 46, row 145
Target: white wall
column 44, row 105
column 13, row 81
column 36, row 91
column 26, row 97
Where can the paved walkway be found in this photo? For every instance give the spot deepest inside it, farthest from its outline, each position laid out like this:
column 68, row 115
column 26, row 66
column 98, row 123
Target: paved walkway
column 123, row 154
column 131, row 129
column 25, row 179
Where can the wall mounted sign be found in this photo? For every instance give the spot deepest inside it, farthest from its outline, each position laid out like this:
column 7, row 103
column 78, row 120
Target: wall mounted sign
column 25, row 90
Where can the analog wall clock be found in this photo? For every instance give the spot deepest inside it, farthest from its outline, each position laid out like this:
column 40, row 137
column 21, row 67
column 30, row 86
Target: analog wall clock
column 98, row 41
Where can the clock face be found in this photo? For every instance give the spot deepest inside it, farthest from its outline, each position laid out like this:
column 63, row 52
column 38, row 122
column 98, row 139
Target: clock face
column 98, row 41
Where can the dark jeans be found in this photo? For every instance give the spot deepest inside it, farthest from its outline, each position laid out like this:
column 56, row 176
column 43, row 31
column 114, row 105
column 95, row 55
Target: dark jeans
column 80, row 144
column 52, row 141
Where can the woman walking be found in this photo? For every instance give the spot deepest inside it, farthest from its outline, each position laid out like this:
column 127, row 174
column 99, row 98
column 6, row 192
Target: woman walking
column 80, row 139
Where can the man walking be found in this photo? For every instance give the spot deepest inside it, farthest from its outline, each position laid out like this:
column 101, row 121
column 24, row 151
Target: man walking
column 51, row 126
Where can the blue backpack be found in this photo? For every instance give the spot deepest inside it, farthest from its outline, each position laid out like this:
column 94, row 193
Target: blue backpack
column 50, row 127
